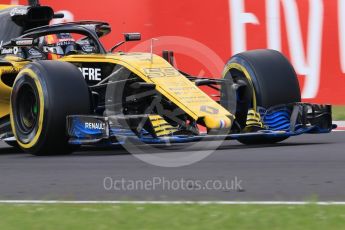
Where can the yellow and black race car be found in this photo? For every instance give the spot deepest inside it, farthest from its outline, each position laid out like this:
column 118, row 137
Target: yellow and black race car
column 60, row 88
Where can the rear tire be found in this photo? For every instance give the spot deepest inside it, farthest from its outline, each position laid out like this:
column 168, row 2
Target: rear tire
column 272, row 81
column 44, row 93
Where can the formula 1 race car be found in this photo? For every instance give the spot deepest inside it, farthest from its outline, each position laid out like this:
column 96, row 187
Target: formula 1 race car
column 60, row 89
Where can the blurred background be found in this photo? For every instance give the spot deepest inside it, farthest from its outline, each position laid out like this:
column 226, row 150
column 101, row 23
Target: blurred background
column 311, row 33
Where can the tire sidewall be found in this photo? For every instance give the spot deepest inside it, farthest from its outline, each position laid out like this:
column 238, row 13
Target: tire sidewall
column 62, row 92
column 30, row 75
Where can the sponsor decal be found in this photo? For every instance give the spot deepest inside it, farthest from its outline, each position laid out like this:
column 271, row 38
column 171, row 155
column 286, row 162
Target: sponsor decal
column 24, row 42
column 87, row 48
column 18, row 11
column 96, row 126
column 161, row 72
column 65, row 42
column 34, row 52
column 92, row 74
column 83, row 42
column 13, row 50
column 209, row 109
column 47, row 49
column 222, row 124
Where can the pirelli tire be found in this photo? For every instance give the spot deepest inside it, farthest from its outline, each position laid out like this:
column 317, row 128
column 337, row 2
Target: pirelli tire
column 43, row 94
column 272, row 81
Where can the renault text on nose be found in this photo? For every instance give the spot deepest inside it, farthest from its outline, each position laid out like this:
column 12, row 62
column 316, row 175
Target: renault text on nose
column 97, row 126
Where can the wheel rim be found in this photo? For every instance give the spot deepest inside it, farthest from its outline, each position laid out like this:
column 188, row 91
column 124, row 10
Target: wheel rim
column 27, row 109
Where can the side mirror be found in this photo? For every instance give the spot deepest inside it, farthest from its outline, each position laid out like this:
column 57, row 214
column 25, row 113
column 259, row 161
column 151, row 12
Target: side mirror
column 129, row 37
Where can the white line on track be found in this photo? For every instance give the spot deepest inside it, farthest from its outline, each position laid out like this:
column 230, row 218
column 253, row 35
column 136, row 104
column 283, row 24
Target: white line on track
column 172, row 202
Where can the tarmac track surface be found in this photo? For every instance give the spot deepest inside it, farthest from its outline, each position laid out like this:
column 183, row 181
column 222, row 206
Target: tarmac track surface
column 299, row 169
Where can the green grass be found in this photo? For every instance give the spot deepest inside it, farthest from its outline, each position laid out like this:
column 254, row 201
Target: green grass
column 171, row 217
column 338, row 113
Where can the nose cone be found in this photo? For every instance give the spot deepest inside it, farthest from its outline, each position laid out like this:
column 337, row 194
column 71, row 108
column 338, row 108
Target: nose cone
column 217, row 122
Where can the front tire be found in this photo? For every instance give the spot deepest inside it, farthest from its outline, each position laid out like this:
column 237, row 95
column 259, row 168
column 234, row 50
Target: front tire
column 270, row 80
column 44, row 93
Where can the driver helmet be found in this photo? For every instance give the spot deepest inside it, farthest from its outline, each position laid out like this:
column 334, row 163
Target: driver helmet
column 58, row 45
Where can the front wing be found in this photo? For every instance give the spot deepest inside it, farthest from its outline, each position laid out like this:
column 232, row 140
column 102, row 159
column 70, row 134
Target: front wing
column 279, row 122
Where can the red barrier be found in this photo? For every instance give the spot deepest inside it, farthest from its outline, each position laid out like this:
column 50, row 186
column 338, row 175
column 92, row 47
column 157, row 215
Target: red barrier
column 310, row 32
